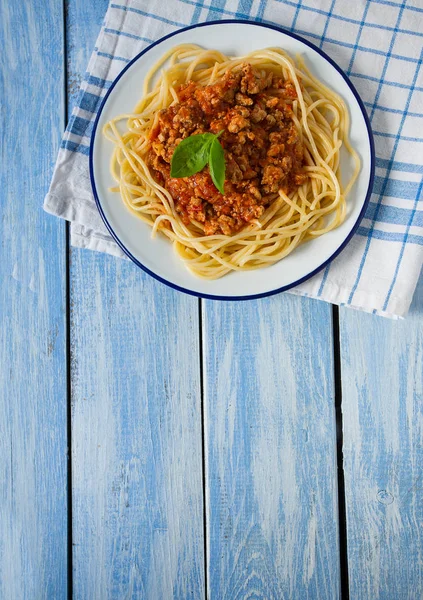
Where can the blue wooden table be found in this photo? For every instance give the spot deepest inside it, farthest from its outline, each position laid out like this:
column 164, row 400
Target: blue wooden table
column 156, row 446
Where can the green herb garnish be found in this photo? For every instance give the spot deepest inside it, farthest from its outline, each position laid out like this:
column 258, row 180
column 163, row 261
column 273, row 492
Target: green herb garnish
column 217, row 164
column 194, row 152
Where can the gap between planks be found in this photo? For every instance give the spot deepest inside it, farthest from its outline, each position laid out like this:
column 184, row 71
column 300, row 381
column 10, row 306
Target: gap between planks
column 342, row 519
column 203, row 443
column 68, row 330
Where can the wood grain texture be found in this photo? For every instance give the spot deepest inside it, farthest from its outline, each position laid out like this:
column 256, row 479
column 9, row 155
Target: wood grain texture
column 136, row 416
column 83, row 23
column 33, row 444
column 271, row 450
column 382, row 386
column 136, row 435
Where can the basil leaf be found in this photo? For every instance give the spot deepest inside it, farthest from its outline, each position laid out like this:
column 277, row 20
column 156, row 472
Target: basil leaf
column 191, row 155
column 194, row 152
column 217, row 164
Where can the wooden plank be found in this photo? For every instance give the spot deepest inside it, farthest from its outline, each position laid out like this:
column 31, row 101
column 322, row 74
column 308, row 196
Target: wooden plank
column 136, row 418
column 136, row 435
column 382, row 387
column 271, row 450
column 83, row 23
column 33, row 445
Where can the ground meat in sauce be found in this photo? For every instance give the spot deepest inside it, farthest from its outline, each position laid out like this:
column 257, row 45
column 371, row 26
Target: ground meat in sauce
column 262, row 150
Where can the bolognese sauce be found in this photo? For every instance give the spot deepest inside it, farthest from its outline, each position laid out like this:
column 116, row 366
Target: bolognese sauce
column 263, row 152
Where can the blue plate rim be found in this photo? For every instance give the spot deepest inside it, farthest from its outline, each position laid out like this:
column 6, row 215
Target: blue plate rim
column 285, row 287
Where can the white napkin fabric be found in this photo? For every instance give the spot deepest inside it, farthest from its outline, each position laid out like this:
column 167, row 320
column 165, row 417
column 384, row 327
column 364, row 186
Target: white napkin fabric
column 377, row 43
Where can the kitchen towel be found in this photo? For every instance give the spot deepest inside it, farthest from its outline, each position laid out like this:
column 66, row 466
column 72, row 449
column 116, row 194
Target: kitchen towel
column 378, row 43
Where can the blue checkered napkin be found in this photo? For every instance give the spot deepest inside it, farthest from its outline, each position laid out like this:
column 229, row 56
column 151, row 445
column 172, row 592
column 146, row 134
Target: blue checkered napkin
column 379, row 45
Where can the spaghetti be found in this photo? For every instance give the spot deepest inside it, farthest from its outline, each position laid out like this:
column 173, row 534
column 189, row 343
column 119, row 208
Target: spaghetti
column 261, row 225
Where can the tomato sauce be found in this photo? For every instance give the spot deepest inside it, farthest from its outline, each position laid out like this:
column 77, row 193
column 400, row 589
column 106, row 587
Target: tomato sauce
column 263, row 152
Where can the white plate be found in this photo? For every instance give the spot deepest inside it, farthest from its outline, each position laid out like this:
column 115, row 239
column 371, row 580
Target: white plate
column 156, row 255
